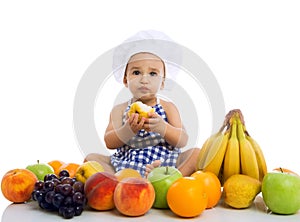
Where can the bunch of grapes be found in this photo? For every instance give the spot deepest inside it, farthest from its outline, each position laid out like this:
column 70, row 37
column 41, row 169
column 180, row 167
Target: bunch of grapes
column 62, row 194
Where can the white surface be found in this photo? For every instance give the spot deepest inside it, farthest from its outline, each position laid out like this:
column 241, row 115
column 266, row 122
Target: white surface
column 31, row 212
column 252, row 47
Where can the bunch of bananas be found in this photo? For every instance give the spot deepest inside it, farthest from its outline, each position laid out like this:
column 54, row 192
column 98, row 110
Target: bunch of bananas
column 232, row 151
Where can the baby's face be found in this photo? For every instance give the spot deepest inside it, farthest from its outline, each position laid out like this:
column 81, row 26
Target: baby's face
column 144, row 75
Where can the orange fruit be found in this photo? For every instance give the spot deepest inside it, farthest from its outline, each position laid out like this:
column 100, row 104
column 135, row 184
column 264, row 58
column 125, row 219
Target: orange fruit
column 70, row 167
column 186, row 197
column 212, row 187
column 127, row 172
column 56, row 164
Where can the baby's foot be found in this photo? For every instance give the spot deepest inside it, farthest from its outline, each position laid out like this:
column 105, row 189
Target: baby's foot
column 150, row 167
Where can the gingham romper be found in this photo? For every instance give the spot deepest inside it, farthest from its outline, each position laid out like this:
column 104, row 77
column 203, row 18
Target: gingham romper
column 144, row 148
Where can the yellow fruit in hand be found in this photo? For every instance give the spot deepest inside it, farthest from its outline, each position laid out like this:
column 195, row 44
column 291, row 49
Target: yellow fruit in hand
column 140, row 108
column 88, row 169
column 127, row 172
column 241, row 190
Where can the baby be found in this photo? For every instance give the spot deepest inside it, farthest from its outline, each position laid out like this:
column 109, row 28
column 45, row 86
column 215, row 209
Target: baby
column 147, row 142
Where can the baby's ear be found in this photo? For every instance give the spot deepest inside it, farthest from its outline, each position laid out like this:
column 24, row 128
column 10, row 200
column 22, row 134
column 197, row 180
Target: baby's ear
column 125, row 81
column 162, row 85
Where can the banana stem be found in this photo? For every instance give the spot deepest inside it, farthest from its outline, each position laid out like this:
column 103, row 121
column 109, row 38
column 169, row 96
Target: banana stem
column 234, row 112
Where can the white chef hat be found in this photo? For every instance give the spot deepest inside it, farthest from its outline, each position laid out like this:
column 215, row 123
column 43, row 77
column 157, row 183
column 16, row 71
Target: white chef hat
column 150, row 41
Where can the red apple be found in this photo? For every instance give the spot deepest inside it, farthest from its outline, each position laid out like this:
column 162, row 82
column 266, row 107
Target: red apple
column 18, row 184
column 134, row 196
column 99, row 190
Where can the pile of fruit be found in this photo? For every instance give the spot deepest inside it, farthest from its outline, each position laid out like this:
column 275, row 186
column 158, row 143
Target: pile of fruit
column 90, row 187
column 229, row 158
column 239, row 163
column 56, row 186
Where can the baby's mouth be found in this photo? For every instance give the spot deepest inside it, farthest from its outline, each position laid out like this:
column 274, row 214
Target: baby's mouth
column 144, row 89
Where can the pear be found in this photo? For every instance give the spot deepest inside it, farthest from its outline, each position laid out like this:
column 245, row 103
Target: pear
column 88, row 169
column 140, row 108
column 240, row 191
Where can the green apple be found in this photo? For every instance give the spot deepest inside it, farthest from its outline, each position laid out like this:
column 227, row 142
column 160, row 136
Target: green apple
column 40, row 169
column 162, row 178
column 281, row 192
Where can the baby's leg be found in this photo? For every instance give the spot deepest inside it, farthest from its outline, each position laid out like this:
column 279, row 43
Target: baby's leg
column 150, row 167
column 187, row 161
column 102, row 159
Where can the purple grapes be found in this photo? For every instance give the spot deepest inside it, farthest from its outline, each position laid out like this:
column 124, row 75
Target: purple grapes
column 62, row 194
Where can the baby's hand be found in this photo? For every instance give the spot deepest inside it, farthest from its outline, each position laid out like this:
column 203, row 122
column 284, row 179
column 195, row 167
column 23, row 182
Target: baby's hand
column 155, row 123
column 134, row 123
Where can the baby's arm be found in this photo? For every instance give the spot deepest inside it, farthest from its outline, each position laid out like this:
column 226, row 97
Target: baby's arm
column 173, row 130
column 116, row 134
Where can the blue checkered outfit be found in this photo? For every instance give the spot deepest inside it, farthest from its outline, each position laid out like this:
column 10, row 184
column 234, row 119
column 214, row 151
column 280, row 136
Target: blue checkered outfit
column 144, row 148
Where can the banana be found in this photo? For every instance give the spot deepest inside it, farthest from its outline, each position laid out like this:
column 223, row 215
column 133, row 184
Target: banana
column 205, row 149
column 215, row 156
column 232, row 155
column 233, row 151
column 261, row 161
column 248, row 159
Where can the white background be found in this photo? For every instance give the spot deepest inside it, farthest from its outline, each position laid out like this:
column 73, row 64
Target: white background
column 252, row 47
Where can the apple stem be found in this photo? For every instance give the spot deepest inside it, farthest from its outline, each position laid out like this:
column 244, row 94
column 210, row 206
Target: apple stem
column 281, row 169
column 167, row 170
column 38, row 161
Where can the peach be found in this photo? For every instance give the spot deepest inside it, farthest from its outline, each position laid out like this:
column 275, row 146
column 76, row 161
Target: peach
column 99, row 190
column 134, row 196
column 18, row 184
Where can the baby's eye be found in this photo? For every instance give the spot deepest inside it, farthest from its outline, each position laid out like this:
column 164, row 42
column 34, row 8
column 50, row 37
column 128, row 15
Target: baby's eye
column 136, row 72
column 153, row 74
